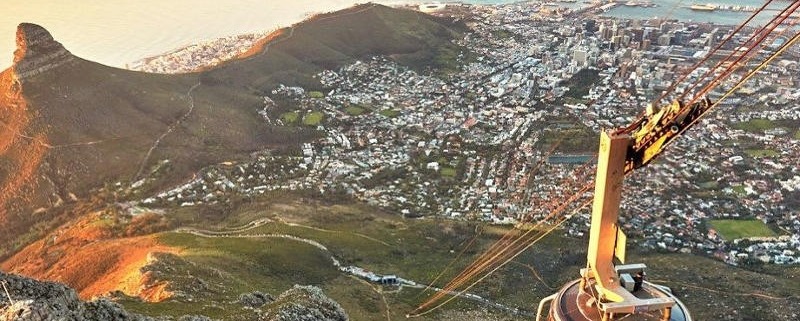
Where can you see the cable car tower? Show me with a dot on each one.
(606, 291)
(609, 288)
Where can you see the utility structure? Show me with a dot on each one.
(608, 291)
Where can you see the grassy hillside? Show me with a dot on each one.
(419, 250)
(206, 272)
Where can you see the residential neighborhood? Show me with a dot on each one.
(514, 128)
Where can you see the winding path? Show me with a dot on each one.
(168, 131)
(534, 273)
(333, 231)
(237, 233)
(191, 100)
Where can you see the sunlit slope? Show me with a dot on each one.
(95, 255)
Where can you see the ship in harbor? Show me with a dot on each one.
(642, 4)
(703, 7)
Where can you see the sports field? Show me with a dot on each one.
(736, 229)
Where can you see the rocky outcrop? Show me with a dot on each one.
(37, 52)
(31, 300)
(255, 299)
(304, 303)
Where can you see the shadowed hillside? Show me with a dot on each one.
(69, 127)
(330, 40)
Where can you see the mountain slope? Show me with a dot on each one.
(26, 299)
(70, 126)
(330, 40)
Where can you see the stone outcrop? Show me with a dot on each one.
(255, 299)
(304, 303)
(37, 52)
(31, 300)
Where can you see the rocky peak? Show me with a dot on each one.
(37, 51)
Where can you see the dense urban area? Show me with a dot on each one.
(475, 142)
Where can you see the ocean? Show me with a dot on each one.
(117, 32)
(677, 9)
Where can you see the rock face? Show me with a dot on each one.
(32, 300)
(37, 52)
(305, 303)
(255, 299)
(45, 301)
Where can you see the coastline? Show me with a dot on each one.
(116, 34)
(130, 46)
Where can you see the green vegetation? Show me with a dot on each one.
(576, 139)
(231, 266)
(103, 222)
(797, 135)
(391, 113)
(446, 60)
(740, 190)
(416, 249)
(290, 117)
(761, 153)
(309, 119)
(253, 260)
(698, 293)
(574, 101)
(756, 125)
(313, 118)
(736, 229)
(386, 244)
(502, 34)
(448, 172)
(355, 110)
(581, 82)
(316, 94)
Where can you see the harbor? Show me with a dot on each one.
(720, 12)
(710, 7)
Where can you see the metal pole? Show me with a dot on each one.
(541, 306)
(8, 294)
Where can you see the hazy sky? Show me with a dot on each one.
(115, 32)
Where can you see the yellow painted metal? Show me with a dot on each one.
(661, 119)
(603, 233)
(619, 250)
(653, 150)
